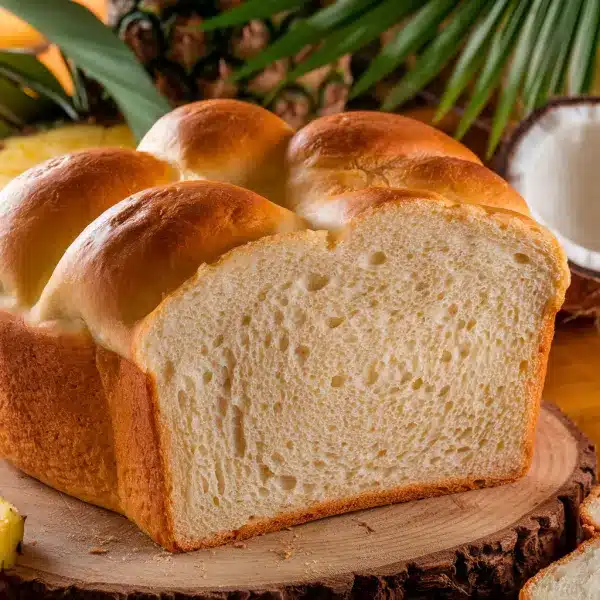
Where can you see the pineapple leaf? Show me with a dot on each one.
(421, 28)
(6, 128)
(80, 95)
(16, 106)
(471, 58)
(500, 48)
(28, 73)
(566, 35)
(100, 53)
(583, 53)
(437, 54)
(305, 32)
(516, 72)
(250, 10)
(357, 34)
(535, 88)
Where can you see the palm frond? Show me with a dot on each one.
(529, 49)
(103, 56)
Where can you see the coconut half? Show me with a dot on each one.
(553, 160)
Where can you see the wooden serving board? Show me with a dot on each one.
(484, 542)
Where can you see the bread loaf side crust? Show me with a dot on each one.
(591, 525)
(141, 468)
(56, 423)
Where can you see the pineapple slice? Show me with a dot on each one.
(19, 153)
(11, 534)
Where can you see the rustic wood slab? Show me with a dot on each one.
(482, 543)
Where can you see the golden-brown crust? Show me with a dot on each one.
(348, 152)
(138, 252)
(224, 140)
(362, 501)
(45, 209)
(56, 423)
(370, 138)
(140, 468)
(591, 525)
(526, 592)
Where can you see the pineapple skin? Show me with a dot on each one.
(21, 152)
(12, 527)
(188, 64)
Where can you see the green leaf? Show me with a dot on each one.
(5, 128)
(516, 72)
(100, 53)
(500, 48)
(18, 107)
(27, 72)
(437, 54)
(80, 95)
(250, 10)
(308, 31)
(583, 53)
(471, 58)
(357, 34)
(566, 37)
(534, 90)
(409, 39)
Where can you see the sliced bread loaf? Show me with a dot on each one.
(230, 370)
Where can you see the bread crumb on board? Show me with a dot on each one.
(98, 550)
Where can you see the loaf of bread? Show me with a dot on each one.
(577, 575)
(237, 328)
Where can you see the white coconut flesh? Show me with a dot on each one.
(555, 166)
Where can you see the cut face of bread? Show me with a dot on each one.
(575, 577)
(309, 373)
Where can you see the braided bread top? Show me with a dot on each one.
(102, 236)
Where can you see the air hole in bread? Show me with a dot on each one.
(218, 341)
(278, 317)
(417, 383)
(222, 406)
(471, 324)
(268, 340)
(523, 366)
(169, 370)
(289, 444)
(287, 482)
(464, 351)
(207, 377)
(406, 377)
(446, 356)
(284, 342)
(333, 322)
(448, 406)
(263, 492)
(239, 436)
(246, 320)
(337, 381)
(302, 353)
(521, 258)
(265, 473)
(441, 296)
(315, 282)
(277, 408)
(319, 464)
(377, 258)
(372, 374)
(220, 477)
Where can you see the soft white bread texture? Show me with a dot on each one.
(232, 371)
(575, 577)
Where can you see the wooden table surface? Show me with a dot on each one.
(573, 379)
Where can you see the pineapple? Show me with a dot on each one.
(19, 153)
(11, 534)
(189, 64)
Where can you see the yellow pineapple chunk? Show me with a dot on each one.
(19, 153)
(11, 534)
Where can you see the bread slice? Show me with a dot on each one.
(311, 373)
(575, 577)
(590, 512)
